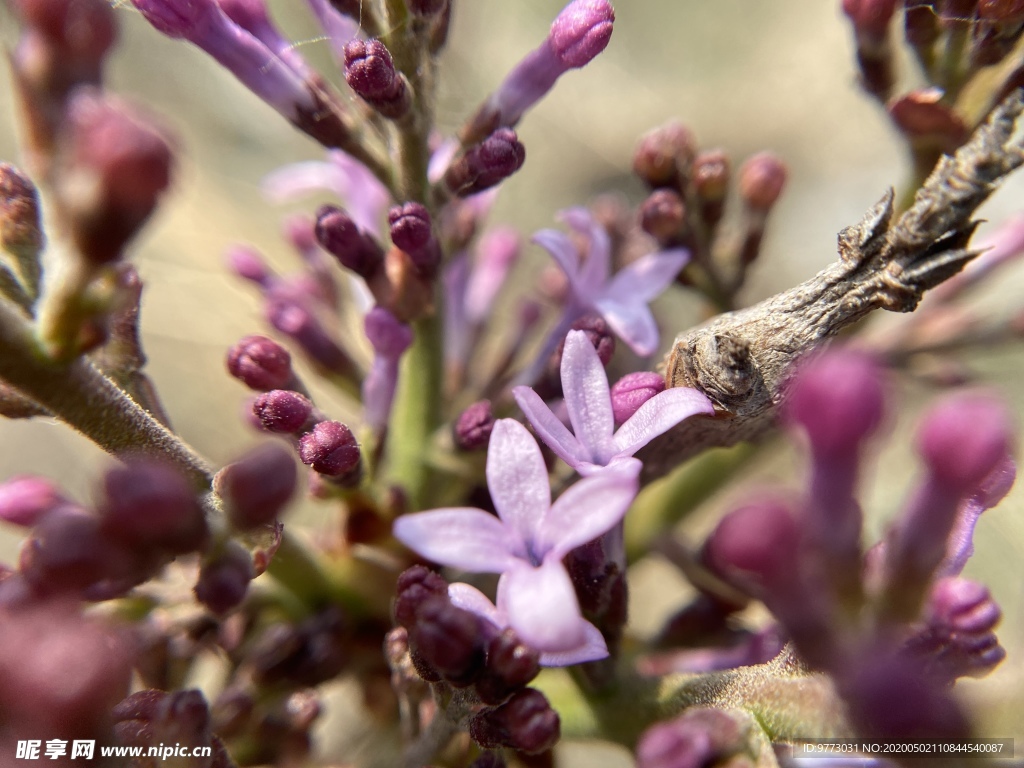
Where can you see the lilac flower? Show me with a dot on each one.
(528, 539)
(621, 299)
(205, 25)
(390, 338)
(578, 34)
(363, 196)
(588, 400)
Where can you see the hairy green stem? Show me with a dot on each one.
(417, 410)
(80, 395)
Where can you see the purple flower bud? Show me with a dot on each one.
(150, 505)
(923, 117)
(664, 156)
(449, 639)
(20, 233)
(632, 391)
(24, 500)
(248, 264)
(224, 579)
(762, 178)
(839, 400)
(390, 338)
(870, 18)
(511, 664)
(370, 72)
(70, 552)
(415, 586)
(283, 411)
(489, 760)
(663, 216)
(711, 174)
(411, 230)
(525, 722)
(331, 449)
(122, 161)
(338, 234)
(295, 319)
(486, 164)
(81, 30)
(258, 486)
(260, 363)
(702, 736)
(598, 333)
(581, 31)
(963, 439)
(472, 429)
(59, 672)
(306, 654)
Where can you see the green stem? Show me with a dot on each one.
(80, 395)
(664, 503)
(417, 410)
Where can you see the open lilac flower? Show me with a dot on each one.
(588, 401)
(528, 539)
(621, 299)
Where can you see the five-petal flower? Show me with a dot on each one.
(592, 444)
(526, 542)
(621, 299)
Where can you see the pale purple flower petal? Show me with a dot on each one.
(338, 28)
(441, 158)
(593, 273)
(296, 179)
(541, 605)
(563, 251)
(647, 277)
(587, 397)
(658, 415)
(495, 255)
(389, 338)
(633, 323)
(550, 428)
(469, 598)
(465, 538)
(517, 477)
(588, 509)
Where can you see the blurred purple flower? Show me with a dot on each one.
(363, 196)
(390, 338)
(592, 444)
(621, 299)
(528, 540)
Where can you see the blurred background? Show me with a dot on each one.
(745, 76)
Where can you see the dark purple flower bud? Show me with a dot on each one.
(839, 401)
(663, 215)
(664, 156)
(581, 31)
(525, 722)
(150, 505)
(700, 737)
(60, 673)
(70, 552)
(449, 640)
(924, 118)
(331, 449)
(963, 439)
(260, 363)
(141, 705)
(489, 760)
(338, 234)
(283, 411)
(510, 665)
(123, 162)
(296, 319)
(305, 654)
(20, 232)
(411, 231)
(632, 391)
(224, 579)
(416, 585)
(486, 164)
(870, 18)
(711, 174)
(258, 486)
(370, 72)
(598, 332)
(83, 30)
(473, 428)
(24, 500)
(762, 178)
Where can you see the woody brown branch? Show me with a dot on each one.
(742, 360)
